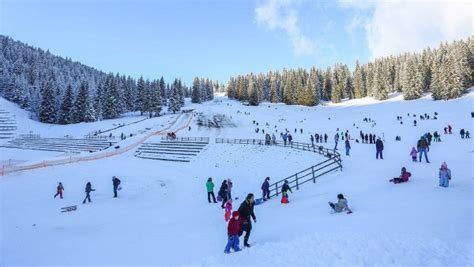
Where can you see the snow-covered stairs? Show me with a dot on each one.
(7, 125)
(62, 144)
(180, 150)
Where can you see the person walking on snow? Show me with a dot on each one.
(233, 230)
(444, 175)
(450, 129)
(325, 138)
(284, 136)
(348, 147)
(341, 205)
(116, 183)
(336, 139)
(228, 209)
(468, 135)
(88, 191)
(462, 133)
(290, 139)
(312, 140)
(59, 191)
(403, 178)
(223, 193)
(229, 188)
(436, 136)
(422, 146)
(379, 148)
(413, 154)
(246, 214)
(266, 189)
(210, 190)
(274, 139)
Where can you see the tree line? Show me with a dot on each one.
(446, 72)
(59, 90)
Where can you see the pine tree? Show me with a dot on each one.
(196, 94)
(253, 94)
(141, 94)
(358, 80)
(47, 109)
(113, 105)
(81, 105)
(339, 82)
(459, 71)
(438, 80)
(66, 106)
(174, 103)
(379, 86)
(412, 82)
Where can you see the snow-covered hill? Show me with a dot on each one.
(162, 216)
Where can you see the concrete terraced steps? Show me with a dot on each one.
(7, 125)
(70, 145)
(180, 150)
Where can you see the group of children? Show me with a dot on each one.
(115, 182)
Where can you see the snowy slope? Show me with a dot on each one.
(162, 216)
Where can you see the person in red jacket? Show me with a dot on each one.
(403, 177)
(233, 230)
(59, 191)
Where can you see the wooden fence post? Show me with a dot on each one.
(276, 188)
(297, 186)
(312, 171)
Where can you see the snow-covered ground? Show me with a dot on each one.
(162, 216)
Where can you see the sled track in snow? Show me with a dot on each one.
(5, 169)
(332, 163)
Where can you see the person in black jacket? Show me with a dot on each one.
(223, 193)
(246, 214)
(116, 183)
(379, 148)
(88, 191)
(285, 188)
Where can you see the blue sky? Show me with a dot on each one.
(217, 39)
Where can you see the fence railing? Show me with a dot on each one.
(332, 163)
(187, 139)
(301, 146)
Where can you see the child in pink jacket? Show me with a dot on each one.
(228, 209)
(413, 154)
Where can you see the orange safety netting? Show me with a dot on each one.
(48, 163)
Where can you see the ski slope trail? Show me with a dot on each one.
(162, 217)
